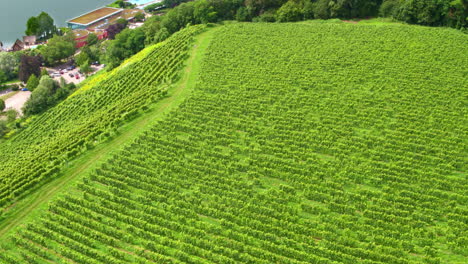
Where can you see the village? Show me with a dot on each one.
(95, 22)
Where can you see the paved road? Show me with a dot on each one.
(17, 101)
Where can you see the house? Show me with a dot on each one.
(29, 40)
(93, 18)
(19, 45)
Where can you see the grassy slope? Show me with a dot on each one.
(29, 208)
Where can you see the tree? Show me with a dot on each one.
(162, 35)
(243, 14)
(2, 105)
(3, 128)
(126, 43)
(204, 12)
(3, 77)
(289, 12)
(321, 9)
(308, 9)
(59, 48)
(92, 39)
(389, 8)
(81, 58)
(44, 72)
(8, 64)
(46, 25)
(29, 65)
(42, 97)
(151, 28)
(114, 29)
(33, 82)
(32, 26)
(85, 68)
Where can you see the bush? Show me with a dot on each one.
(33, 82)
(265, 17)
(289, 12)
(2, 105)
(3, 128)
(14, 87)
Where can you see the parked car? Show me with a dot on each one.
(70, 68)
(77, 76)
(24, 89)
(95, 63)
(65, 71)
(71, 75)
(61, 72)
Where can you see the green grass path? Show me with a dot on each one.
(35, 204)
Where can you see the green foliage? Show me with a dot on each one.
(29, 65)
(81, 58)
(125, 44)
(121, 4)
(2, 105)
(289, 12)
(59, 48)
(389, 8)
(9, 64)
(11, 114)
(41, 26)
(3, 77)
(140, 17)
(3, 127)
(301, 143)
(32, 83)
(42, 96)
(92, 39)
(44, 72)
(268, 16)
(32, 26)
(122, 21)
(85, 118)
(243, 14)
(162, 35)
(85, 67)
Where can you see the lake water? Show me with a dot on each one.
(15, 13)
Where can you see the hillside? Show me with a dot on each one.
(50, 141)
(300, 143)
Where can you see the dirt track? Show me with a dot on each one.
(17, 101)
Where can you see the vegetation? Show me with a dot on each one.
(9, 65)
(126, 43)
(47, 93)
(317, 142)
(121, 4)
(29, 65)
(86, 118)
(59, 48)
(41, 26)
(33, 82)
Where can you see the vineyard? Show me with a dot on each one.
(37, 153)
(301, 143)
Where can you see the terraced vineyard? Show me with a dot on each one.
(92, 114)
(302, 143)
